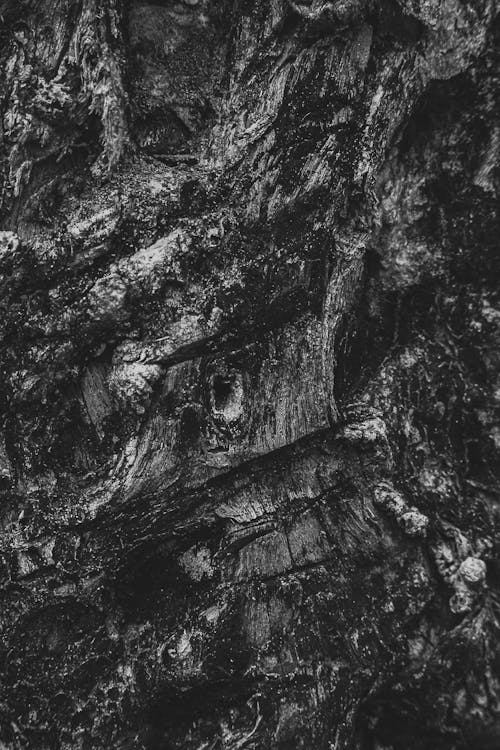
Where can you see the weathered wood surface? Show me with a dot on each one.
(250, 374)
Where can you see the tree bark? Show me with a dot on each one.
(250, 374)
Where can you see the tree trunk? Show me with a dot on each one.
(250, 369)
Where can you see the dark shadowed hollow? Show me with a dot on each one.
(249, 375)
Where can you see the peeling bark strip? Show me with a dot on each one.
(250, 374)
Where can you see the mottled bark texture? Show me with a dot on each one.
(250, 374)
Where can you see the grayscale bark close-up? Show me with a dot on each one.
(250, 374)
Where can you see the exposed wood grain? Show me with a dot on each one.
(249, 374)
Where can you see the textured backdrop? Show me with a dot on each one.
(249, 375)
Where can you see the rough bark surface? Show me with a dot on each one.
(250, 374)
